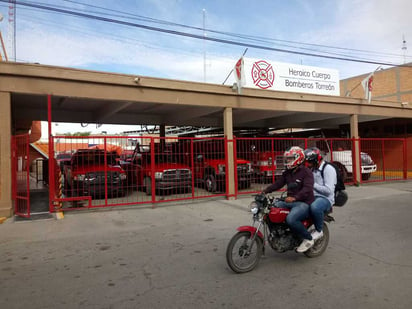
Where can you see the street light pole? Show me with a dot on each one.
(2, 43)
(204, 45)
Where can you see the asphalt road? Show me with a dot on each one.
(173, 256)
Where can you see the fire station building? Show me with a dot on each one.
(32, 92)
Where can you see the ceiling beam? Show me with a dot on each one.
(189, 113)
(246, 117)
(109, 109)
(337, 121)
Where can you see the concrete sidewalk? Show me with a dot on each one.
(173, 256)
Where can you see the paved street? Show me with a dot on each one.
(173, 256)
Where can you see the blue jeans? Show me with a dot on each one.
(317, 211)
(299, 211)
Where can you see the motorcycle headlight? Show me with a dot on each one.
(254, 208)
(123, 176)
(222, 168)
(158, 175)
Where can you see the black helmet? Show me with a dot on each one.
(313, 155)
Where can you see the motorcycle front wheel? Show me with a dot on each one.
(243, 253)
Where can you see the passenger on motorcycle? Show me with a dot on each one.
(324, 188)
(299, 181)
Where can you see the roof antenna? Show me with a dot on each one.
(404, 48)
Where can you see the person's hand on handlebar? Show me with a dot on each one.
(290, 199)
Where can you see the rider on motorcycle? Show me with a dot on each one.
(299, 181)
(324, 188)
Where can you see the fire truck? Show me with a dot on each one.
(162, 165)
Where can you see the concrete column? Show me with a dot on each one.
(228, 128)
(6, 203)
(354, 133)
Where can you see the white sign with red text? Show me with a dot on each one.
(266, 74)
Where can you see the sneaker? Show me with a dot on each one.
(316, 235)
(305, 245)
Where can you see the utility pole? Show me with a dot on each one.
(404, 48)
(204, 45)
(12, 29)
(2, 43)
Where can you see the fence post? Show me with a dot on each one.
(383, 160)
(405, 159)
(273, 159)
(236, 181)
(152, 169)
(105, 169)
(192, 164)
(27, 142)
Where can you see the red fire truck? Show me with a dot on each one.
(162, 165)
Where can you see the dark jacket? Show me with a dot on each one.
(303, 177)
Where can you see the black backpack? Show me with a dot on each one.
(341, 196)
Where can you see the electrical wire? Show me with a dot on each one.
(255, 38)
(244, 37)
(114, 37)
(195, 36)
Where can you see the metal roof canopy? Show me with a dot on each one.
(83, 96)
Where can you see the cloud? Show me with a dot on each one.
(65, 48)
(370, 25)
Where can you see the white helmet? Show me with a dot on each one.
(294, 157)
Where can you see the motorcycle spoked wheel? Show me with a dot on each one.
(320, 245)
(236, 253)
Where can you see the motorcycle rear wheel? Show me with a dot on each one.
(236, 253)
(320, 245)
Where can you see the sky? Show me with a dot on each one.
(371, 30)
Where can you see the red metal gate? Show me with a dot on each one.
(21, 175)
(102, 171)
(105, 171)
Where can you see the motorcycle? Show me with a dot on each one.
(248, 244)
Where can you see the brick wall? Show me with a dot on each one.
(394, 84)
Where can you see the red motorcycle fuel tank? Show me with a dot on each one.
(278, 215)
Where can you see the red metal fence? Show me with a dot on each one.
(111, 171)
(21, 175)
(106, 171)
(390, 157)
(266, 158)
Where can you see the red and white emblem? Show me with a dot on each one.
(262, 74)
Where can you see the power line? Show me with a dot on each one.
(109, 36)
(249, 37)
(195, 36)
(245, 37)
